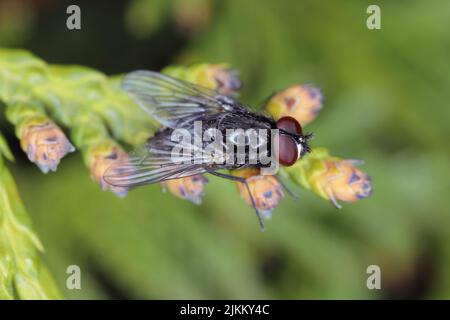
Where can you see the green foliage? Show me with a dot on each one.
(77, 97)
(23, 275)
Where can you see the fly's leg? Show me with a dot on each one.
(244, 181)
(285, 188)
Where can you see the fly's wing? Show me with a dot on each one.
(139, 172)
(173, 102)
(151, 168)
(155, 163)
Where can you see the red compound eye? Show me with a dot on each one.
(288, 152)
(289, 124)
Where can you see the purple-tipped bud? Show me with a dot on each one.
(45, 145)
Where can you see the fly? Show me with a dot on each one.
(185, 109)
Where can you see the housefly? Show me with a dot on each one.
(185, 109)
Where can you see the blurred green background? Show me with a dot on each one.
(386, 101)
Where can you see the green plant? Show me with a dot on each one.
(23, 275)
(76, 97)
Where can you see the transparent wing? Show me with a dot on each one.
(136, 172)
(172, 101)
(148, 167)
(156, 162)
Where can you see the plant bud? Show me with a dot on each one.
(341, 180)
(219, 77)
(302, 102)
(45, 145)
(265, 189)
(188, 188)
(100, 158)
(331, 178)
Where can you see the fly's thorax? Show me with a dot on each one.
(210, 141)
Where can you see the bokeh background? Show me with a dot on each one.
(386, 102)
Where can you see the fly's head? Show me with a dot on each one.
(293, 144)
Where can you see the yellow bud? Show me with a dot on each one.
(218, 77)
(45, 145)
(188, 188)
(301, 102)
(100, 159)
(341, 180)
(265, 189)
